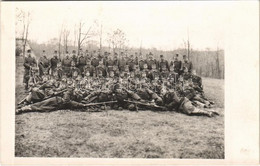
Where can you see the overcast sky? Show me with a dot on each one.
(163, 25)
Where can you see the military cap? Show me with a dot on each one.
(55, 51)
(161, 56)
(43, 50)
(177, 55)
(28, 51)
(67, 52)
(74, 51)
(184, 56)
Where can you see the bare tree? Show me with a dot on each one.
(81, 37)
(100, 38)
(26, 23)
(60, 38)
(66, 34)
(118, 40)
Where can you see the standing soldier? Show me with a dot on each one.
(54, 62)
(186, 63)
(95, 63)
(163, 67)
(74, 57)
(132, 63)
(29, 63)
(66, 63)
(81, 63)
(141, 62)
(74, 71)
(109, 64)
(121, 63)
(44, 64)
(101, 70)
(151, 62)
(177, 64)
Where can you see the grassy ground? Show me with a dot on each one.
(121, 134)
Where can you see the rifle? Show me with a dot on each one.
(100, 103)
(145, 104)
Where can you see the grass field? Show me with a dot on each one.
(121, 134)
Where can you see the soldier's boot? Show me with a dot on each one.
(197, 111)
(23, 109)
(214, 112)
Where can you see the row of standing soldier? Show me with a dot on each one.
(98, 65)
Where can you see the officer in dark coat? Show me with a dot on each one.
(29, 63)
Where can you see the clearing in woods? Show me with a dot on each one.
(120, 134)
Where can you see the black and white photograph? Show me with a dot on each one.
(131, 82)
(119, 80)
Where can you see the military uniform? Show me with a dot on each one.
(121, 64)
(89, 69)
(95, 62)
(44, 65)
(131, 63)
(66, 64)
(54, 103)
(29, 62)
(54, 61)
(74, 58)
(81, 63)
(187, 64)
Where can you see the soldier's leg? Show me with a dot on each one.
(73, 104)
(43, 106)
(26, 80)
(134, 95)
(189, 109)
(36, 95)
(155, 97)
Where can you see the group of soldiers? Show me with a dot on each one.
(99, 81)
